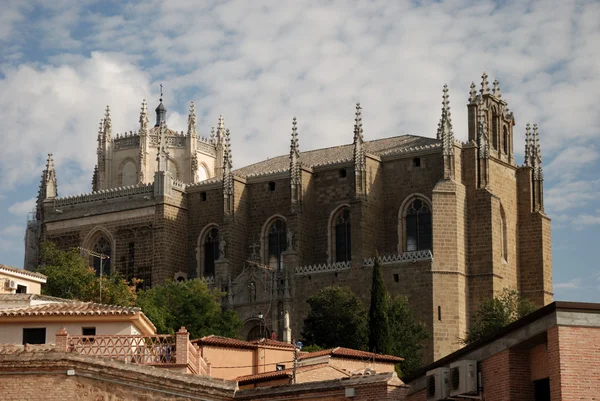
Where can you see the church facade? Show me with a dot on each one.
(453, 223)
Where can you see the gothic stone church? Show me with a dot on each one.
(453, 222)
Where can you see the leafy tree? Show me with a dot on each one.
(379, 329)
(311, 348)
(69, 276)
(336, 318)
(191, 304)
(408, 334)
(495, 313)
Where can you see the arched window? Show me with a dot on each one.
(210, 247)
(418, 226)
(101, 261)
(276, 243)
(505, 139)
(129, 174)
(495, 128)
(342, 230)
(258, 332)
(201, 173)
(503, 235)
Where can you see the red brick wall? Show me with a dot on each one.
(506, 376)
(575, 368)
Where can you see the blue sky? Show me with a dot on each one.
(262, 62)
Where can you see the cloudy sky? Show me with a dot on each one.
(260, 63)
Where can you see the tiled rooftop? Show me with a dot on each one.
(235, 343)
(335, 154)
(69, 309)
(351, 353)
(276, 374)
(10, 269)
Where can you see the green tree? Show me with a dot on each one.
(495, 313)
(69, 276)
(191, 304)
(379, 329)
(336, 318)
(407, 335)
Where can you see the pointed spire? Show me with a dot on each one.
(191, 131)
(95, 181)
(161, 110)
(496, 89)
(536, 154)
(358, 129)
(227, 175)
(445, 127)
(295, 174)
(107, 125)
(50, 189)
(528, 150)
(220, 128)
(144, 119)
(485, 88)
(294, 148)
(360, 163)
(473, 93)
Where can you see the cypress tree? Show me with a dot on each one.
(379, 329)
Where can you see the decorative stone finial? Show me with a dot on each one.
(496, 89)
(50, 162)
(191, 131)
(445, 133)
(358, 129)
(161, 110)
(473, 93)
(294, 149)
(485, 88)
(144, 119)
(528, 154)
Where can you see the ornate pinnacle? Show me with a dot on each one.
(484, 147)
(144, 119)
(192, 120)
(496, 89)
(528, 150)
(50, 163)
(472, 93)
(227, 152)
(358, 130)
(485, 88)
(536, 145)
(445, 126)
(294, 149)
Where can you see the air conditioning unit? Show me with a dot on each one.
(438, 385)
(10, 284)
(463, 378)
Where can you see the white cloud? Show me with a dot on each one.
(57, 109)
(22, 208)
(569, 285)
(12, 230)
(261, 64)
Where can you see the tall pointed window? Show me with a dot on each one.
(342, 226)
(495, 129)
(503, 235)
(505, 139)
(211, 251)
(418, 226)
(101, 261)
(276, 243)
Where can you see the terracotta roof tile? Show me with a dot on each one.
(312, 158)
(351, 353)
(69, 309)
(33, 297)
(223, 342)
(23, 272)
(235, 343)
(276, 374)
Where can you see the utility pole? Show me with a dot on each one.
(297, 346)
(102, 257)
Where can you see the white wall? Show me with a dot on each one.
(12, 333)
